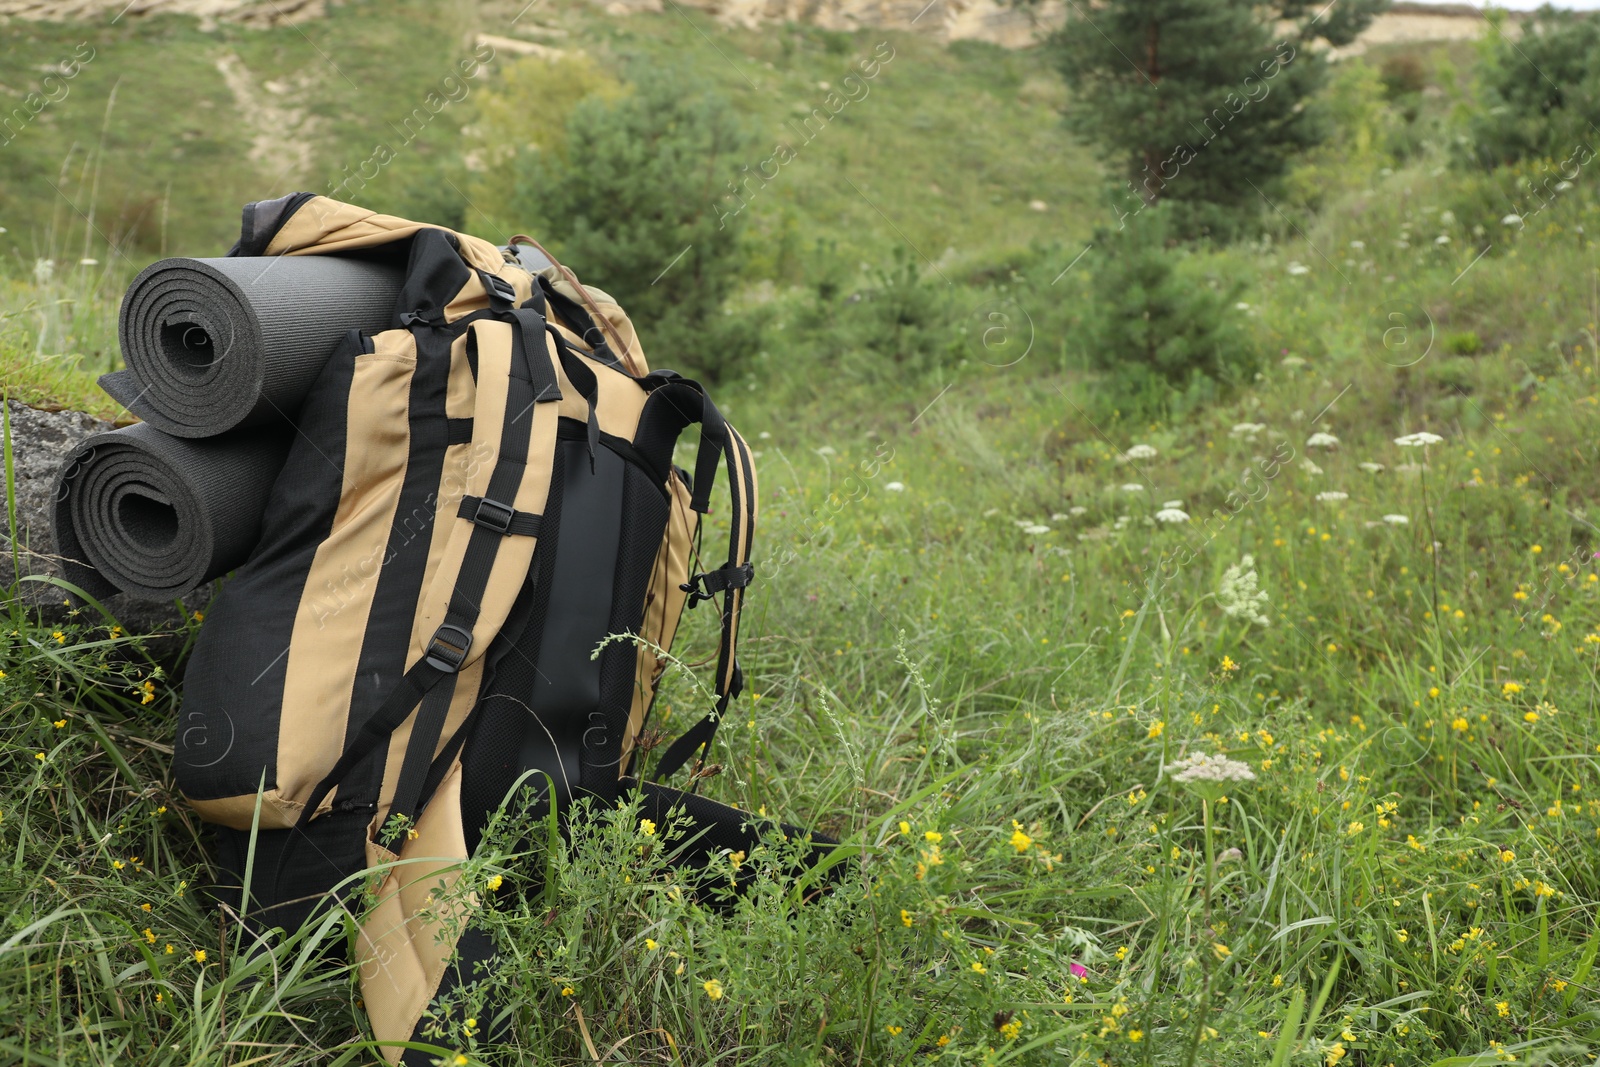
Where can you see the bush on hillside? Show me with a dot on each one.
(1167, 336)
(1539, 96)
(632, 199)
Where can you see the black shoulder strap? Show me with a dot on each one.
(731, 579)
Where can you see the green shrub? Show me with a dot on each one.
(635, 196)
(1166, 334)
(1539, 95)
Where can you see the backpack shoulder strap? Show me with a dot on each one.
(717, 439)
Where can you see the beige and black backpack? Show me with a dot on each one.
(474, 501)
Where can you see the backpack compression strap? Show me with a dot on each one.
(733, 577)
(530, 381)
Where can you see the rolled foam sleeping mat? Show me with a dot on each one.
(154, 516)
(216, 344)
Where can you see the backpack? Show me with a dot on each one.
(474, 500)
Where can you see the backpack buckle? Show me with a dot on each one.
(494, 515)
(696, 594)
(449, 647)
(500, 287)
(708, 584)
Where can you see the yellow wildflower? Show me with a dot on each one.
(713, 988)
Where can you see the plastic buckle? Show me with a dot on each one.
(448, 653)
(494, 515)
(696, 594)
(502, 288)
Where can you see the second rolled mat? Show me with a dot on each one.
(214, 344)
(141, 512)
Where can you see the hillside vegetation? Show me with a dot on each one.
(994, 605)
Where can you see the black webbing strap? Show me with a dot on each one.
(587, 384)
(578, 319)
(529, 358)
(424, 739)
(452, 642)
(457, 431)
(501, 518)
(395, 709)
(732, 579)
(477, 563)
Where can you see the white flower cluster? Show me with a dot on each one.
(1322, 440)
(1421, 439)
(1140, 452)
(1238, 596)
(1203, 768)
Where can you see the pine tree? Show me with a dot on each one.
(629, 199)
(1202, 101)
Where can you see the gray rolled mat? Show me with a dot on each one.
(154, 516)
(214, 344)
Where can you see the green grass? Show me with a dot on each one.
(1410, 877)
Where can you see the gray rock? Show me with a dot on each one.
(40, 441)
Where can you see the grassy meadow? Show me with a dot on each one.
(993, 610)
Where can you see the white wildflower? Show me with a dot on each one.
(1322, 440)
(1172, 503)
(1036, 530)
(1371, 468)
(826, 450)
(1172, 515)
(1132, 487)
(1246, 429)
(87, 262)
(43, 271)
(1447, 217)
(1140, 452)
(1297, 268)
(1358, 244)
(1293, 361)
(1418, 440)
(1442, 239)
(1309, 466)
(896, 487)
(1331, 496)
(1512, 219)
(1059, 516)
(1203, 768)
(1238, 595)
(1080, 510)
(1563, 186)
(764, 435)
(1241, 306)
(1396, 520)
